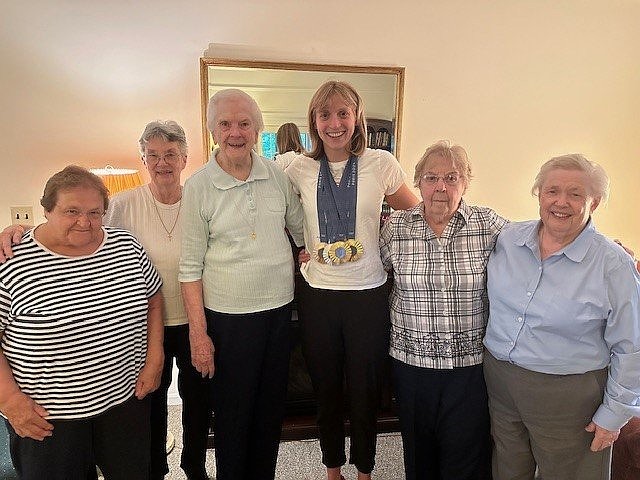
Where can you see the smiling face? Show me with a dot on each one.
(234, 130)
(336, 123)
(164, 162)
(566, 202)
(75, 222)
(441, 200)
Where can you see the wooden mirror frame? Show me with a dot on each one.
(207, 63)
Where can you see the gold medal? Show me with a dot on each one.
(318, 252)
(325, 255)
(338, 253)
(356, 250)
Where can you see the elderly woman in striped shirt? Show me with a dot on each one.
(438, 252)
(81, 340)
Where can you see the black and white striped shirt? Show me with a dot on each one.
(74, 329)
(439, 306)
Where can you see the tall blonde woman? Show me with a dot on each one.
(343, 307)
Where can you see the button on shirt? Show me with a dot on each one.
(438, 302)
(576, 311)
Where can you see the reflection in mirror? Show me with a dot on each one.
(283, 91)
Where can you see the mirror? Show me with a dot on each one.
(283, 91)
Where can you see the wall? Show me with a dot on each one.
(515, 81)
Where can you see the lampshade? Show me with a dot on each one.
(118, 179)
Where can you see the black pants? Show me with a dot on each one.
(248, 390)
(444, 420)
(117, 441)
(345, 335)
(194, 391)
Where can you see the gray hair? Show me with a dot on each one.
(444, 149)
(598, 178)
(168, 130)
(233, 93)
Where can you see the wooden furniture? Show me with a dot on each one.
(625, 464)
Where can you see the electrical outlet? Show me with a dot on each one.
(22, 215)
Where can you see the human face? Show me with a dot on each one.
(235, 130)
(75, 222)
(440, 199)
(336, 123)
(164, 162)
(566, 202)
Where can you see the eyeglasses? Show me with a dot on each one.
(449, 178)
(73, 214)
(155, 158)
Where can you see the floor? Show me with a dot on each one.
(298, 460)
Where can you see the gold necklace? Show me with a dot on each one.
(175, 222)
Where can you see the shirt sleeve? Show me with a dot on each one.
(390, 172)
(151, 276)
(385, 244)
(195, 233)
(294, 216)
(5, 307)
(622, 333)
(113, 217)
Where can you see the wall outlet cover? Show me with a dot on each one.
(22, 215)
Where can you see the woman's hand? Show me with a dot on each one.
(150, 376)
(202, 353)
(602, 437)
(303, 256)
(10, 236)
(27, 417)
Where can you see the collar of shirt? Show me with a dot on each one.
(575, 251)
(459, 219)
(224, 181)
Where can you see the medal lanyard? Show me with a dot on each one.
(337, 201)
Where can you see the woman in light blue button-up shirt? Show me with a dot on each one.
(563, 369)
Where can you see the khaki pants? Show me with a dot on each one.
(539, 419)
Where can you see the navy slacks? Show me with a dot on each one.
(444, 420)
(248, 390)
(345, 339)
(116, 440)
(196, 410)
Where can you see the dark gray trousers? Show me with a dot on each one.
(538, 419)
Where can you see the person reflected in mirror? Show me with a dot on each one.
(343, 306)
(563, 338)
(80, 340)
(236, 272)
(438, 252)
(289, 144)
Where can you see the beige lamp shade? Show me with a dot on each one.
(118, 179)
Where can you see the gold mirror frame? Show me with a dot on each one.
(209, 65)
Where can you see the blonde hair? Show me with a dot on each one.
(351, 98)
(288, 138)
